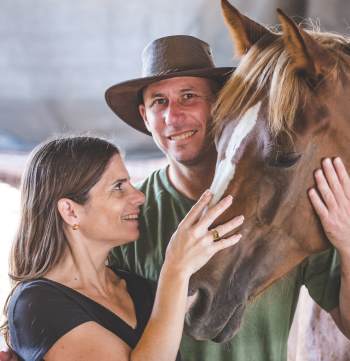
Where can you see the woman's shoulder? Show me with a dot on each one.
(41, 300)
(39, 313)
(34, 293)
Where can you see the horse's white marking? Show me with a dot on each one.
(225, 169)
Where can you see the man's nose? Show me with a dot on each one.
(174, 113)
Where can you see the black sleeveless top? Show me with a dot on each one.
(41, 311)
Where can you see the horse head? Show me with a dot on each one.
(282, 111)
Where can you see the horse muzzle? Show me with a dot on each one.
(214, 318)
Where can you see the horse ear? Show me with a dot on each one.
(244, 31)
(307, 55)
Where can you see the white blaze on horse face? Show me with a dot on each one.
(225, 168)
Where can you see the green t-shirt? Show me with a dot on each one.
(264, 331)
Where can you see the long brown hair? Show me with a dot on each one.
(65, 167)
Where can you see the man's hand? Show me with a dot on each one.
(7, 356)
(332, 202)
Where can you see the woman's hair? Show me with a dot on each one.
(65, 167)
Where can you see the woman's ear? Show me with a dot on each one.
(68, 210)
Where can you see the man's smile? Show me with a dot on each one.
(184, 135)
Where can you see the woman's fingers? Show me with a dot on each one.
(226, 242)
(227, 227)
(193, 244)
(214, 212)
(196, 211)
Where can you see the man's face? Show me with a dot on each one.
(176, 111)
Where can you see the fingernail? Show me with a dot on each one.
(207, 193)
(241, 218)
(229, 198)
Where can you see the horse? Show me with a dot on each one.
(282, 111)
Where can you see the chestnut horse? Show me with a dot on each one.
(282, 111)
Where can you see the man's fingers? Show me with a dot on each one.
(197, 210)
(332, 179)
(343, 176)
(325, 190)
(318, 204)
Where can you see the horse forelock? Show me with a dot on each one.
(267, 73)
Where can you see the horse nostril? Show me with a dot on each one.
(191, 300)
(192, 289)
(200, 303)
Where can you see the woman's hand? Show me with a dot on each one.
(192, 245)
(332, 203)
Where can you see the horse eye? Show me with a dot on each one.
(284, 160)
(313, 82)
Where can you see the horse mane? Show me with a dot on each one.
(268, 71)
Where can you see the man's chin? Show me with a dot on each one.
(194, 158)
(188, 162)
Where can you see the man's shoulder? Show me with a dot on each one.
(160, 193)
(155, 178)
(154, 188)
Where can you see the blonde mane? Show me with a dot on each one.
(270, 73)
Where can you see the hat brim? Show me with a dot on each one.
(124, 98)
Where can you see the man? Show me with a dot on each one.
(172, 102)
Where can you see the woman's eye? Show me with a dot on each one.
(284, 160)
(118, 186)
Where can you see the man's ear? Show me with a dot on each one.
(142, 111)
(68, 211)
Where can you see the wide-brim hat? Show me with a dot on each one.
(167, 57)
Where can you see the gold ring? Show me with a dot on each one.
(215, 234)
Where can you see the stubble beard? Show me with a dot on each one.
(207, 152)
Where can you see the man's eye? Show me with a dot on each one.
(188, 96)
(158, 101)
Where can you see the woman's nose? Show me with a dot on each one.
(139, 197)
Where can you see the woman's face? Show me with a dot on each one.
(112, 210)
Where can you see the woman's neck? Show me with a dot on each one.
(83, 266)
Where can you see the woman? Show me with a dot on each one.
(77, 204)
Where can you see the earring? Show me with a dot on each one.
(75, 227)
